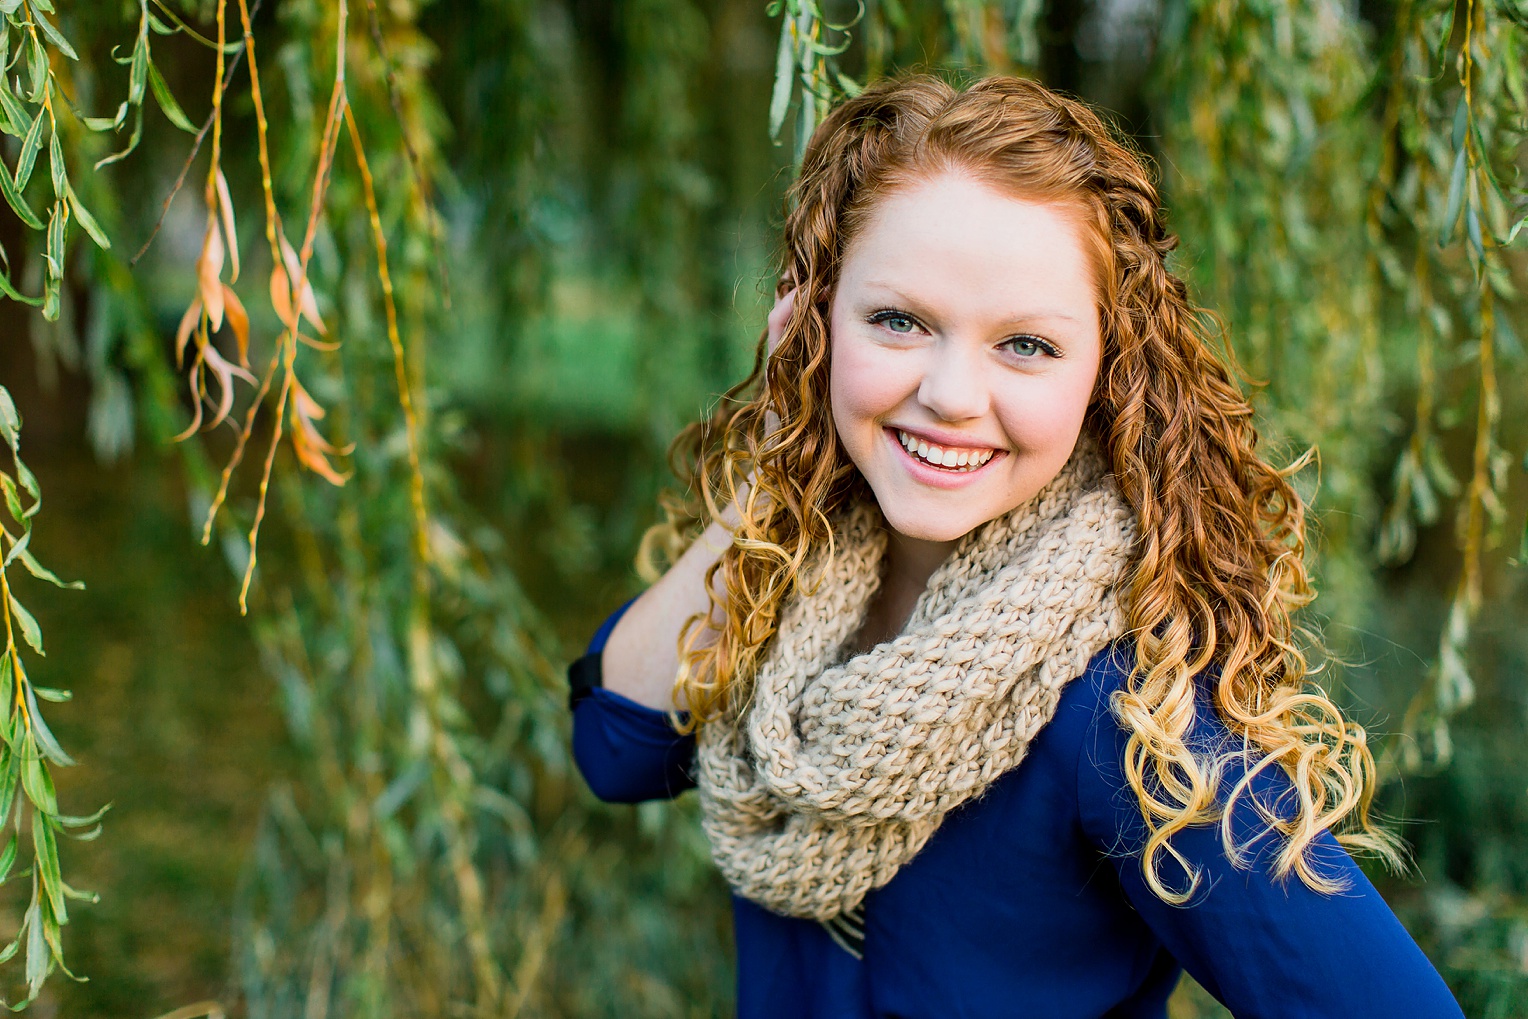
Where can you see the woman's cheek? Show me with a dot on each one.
(1045, 416)
(864, 386)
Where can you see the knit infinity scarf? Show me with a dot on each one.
(838, 772)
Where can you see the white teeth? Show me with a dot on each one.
(960, 460)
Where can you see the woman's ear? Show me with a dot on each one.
(778, 316)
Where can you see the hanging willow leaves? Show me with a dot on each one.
(29, 748)
(1338, 204)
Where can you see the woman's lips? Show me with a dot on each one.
(941, 476)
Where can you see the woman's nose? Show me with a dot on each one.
(954, 385)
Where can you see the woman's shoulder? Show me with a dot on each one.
(1087, 700)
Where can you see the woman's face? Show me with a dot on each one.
(965, 343)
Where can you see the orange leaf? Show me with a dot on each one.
(224, 372)
(281, 296)
(310, 448)
(305, 302)
(318, 344)
(225, 205)
(188, 322)
(238, 321)
(196, 402)
(209, 267)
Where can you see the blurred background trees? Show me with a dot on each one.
(490, 255)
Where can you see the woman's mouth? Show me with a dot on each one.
(954, 459)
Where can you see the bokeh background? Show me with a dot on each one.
(356, 799)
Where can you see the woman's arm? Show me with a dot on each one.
(1263, 947)
(642, 657)
(626, 752)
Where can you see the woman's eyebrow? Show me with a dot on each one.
(915, 304)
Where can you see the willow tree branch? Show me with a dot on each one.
(196, 147)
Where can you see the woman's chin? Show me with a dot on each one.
(931, 525)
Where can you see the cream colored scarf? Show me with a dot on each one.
(838, 772)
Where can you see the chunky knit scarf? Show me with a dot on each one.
(838, 771)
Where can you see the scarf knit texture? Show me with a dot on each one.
(837, 771)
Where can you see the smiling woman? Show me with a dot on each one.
(965, 352)
(983, 664)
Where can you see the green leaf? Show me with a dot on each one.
(167, 102)
(86, 219)
(5, 282)
(1455, 198)
(10, 419)
(41, 572)
(132, 142)
(107, 123)
(9, 7)
(13, 499)
(10, 776)
(17, 203)
(47, 865)
(19, 548)
(785, 78)
(139, 74)
(19, 120)
(39, 959)
(52, 932)
(51, 298)
(1472, 231)
(53, 694)
(9, 951)
(55, 36)
(57, 169)
(6, 700)
(35, 780)
(30, 631)
(58, 227)
(7, 858)
(43, 5)
(37, 70)
(29, 486)
(82, 822)
(28, 158)
(45, 740)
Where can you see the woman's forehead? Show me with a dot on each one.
(953, 238)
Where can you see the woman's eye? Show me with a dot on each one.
(894, 321)
(1029, 346)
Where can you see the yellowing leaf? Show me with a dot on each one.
(230, 232)
(188, 322)
(281, 291)
(209, 269)
(238, 321)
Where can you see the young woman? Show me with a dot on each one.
(986, 672)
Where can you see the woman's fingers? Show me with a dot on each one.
(778, 317)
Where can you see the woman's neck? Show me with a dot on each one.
(905, 570)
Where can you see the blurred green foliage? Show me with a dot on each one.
(579, 200)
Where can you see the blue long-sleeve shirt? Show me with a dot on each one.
(1030, 902)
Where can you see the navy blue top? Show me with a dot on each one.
(1029, 901)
